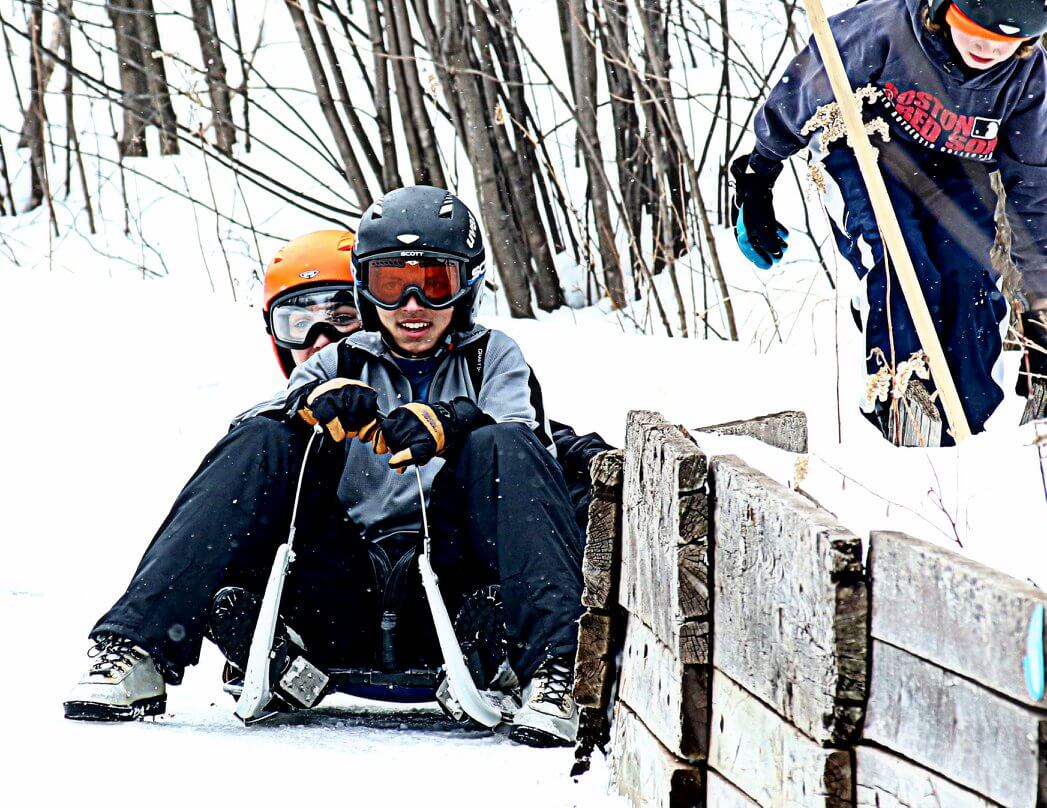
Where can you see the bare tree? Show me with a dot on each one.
(214, 67)
(353, 171)
(156, 75)
(582, 58)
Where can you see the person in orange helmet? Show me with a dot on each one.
(308, 295)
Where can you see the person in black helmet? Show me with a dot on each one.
(422, 385)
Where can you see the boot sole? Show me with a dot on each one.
(540, 739)
(94, 711)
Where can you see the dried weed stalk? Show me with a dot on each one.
(893, 382)
(829, 119)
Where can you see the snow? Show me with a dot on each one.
(110, 405)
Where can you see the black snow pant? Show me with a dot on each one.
(499, 513)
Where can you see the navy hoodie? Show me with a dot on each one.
(997, 117)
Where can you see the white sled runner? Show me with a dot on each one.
(257, 694)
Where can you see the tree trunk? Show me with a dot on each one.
(475, 132)
(629, 147)
(65, 11)
(519, 184)
(671, 123)
(8, 196)
(353, 172)
(416, 96)
(419, 165)
(155, 74)
(37, 160)
(583, 58)
(214, 66)
(383, 110)
(242, 89)
(31, 121)
(133, 86)
(343, 91)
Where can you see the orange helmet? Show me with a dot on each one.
(316, 262)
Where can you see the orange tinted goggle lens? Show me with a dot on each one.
(957, 19)
(438, 281)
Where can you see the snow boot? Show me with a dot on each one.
(123, 684)
(480, 628)
(549, 716)
(297, 683)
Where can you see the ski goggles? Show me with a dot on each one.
(436, 280)
(298, 320)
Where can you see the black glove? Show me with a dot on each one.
(347, 408)
(1034, 363)
(416, 433)
(759, 235)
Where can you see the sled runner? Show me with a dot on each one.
(306, 683)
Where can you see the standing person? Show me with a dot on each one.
(499, 506)
(961, 84)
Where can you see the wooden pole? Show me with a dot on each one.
(888, 221)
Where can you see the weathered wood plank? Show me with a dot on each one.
(791, 607)
(645, 772)
(883, 780)
(721, 794)
(950, 725)
(768, 758)
(605, 471)
(667, 587)
(593, 663)
(601, 560)
(971, 619)
(783, 430)
(670, 697)
(664, 575)
(675, 451)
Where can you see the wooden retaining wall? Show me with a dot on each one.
(760, 663)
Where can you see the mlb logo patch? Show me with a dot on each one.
(985, 128)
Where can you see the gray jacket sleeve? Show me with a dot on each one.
(509, 391)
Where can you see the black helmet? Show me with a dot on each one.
(413, 224)
(1010, 18)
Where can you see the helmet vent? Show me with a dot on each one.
(447, 208)
(376, 209)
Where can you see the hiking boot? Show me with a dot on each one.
(549, 716)
(122, 684)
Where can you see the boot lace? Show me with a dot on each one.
(553, 681)
(113, 655)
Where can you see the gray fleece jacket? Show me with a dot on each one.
(376, 498)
